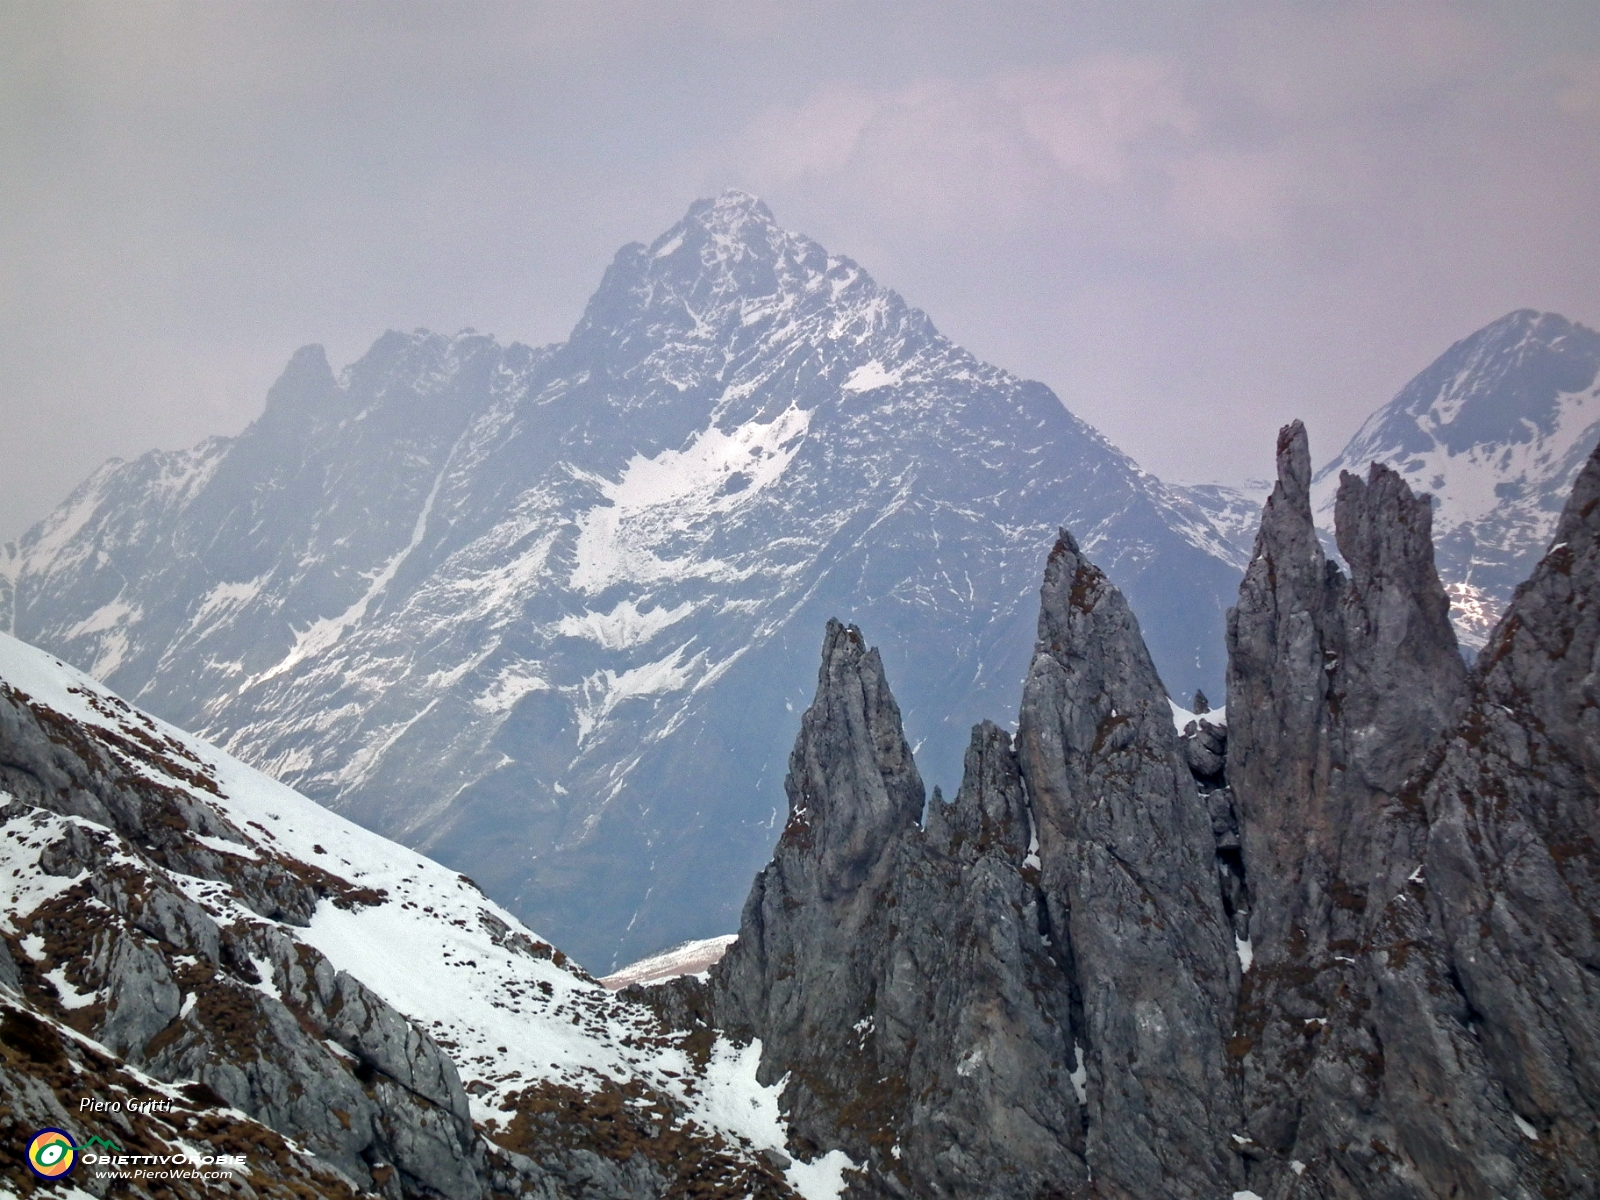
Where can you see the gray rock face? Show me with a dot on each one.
(903, 979)
(1031, 995)
(1337, 690)
(1511, 878)
(1417, 942)
(1406, 854)
(1130, 880)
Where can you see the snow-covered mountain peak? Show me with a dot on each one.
(1495, 430)
(546, 612)
(1505, 385)
(726, 285)
(734, 225)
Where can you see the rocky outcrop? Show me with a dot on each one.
(141, 911)
(1342, 943)
(1029, 994)
(1510, 879)
(1337, 689)
(904, 979)
(46, 1070)
(1418, 846)
(1128, 865)
(125, 954)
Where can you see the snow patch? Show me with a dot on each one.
(1181, 717)
(625, 626)
(226, 597)
(23, 885)
(510, 685)
(224, 846)
(823, 1179)
(869, 376)
(606, 689)
(106, 617)
(686, 958)
(69, 995)
(1246, 952)
(668, 499)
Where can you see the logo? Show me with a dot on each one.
(51, 1154)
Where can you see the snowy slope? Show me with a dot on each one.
(1495, 430)
(550, 615)
(687, 958)
(510, 1011)
(1234, 512)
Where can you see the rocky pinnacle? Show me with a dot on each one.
(1130, 879)
(1346, 945)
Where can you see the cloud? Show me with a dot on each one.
(1578, 86)
(1024, 145)
(820, 136)
(1245, 208)
(1092, 116)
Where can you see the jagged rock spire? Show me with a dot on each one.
(1130, 880)
(1338, 689)
(1408, 856)
(903, 982)
(852, 784)
(1512, 870)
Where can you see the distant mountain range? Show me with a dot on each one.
(1495, 431)
(550, 614)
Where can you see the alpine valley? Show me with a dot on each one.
(1340, 942)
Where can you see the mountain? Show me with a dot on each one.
(1495, 430)
(228, 969)
(544, 613)
(1343, 944)
(1234, 512)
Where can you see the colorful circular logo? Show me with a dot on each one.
(51, 1154)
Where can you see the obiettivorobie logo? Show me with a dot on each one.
(52, 1154)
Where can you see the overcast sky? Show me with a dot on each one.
(1194, 221)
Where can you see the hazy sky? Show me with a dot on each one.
(1192, 220)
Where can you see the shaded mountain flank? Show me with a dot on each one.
(1345, 944)
(226, 969)
(522, 609)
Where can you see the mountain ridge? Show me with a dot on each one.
(280, 981)
(461, 588)
(1495, 430)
